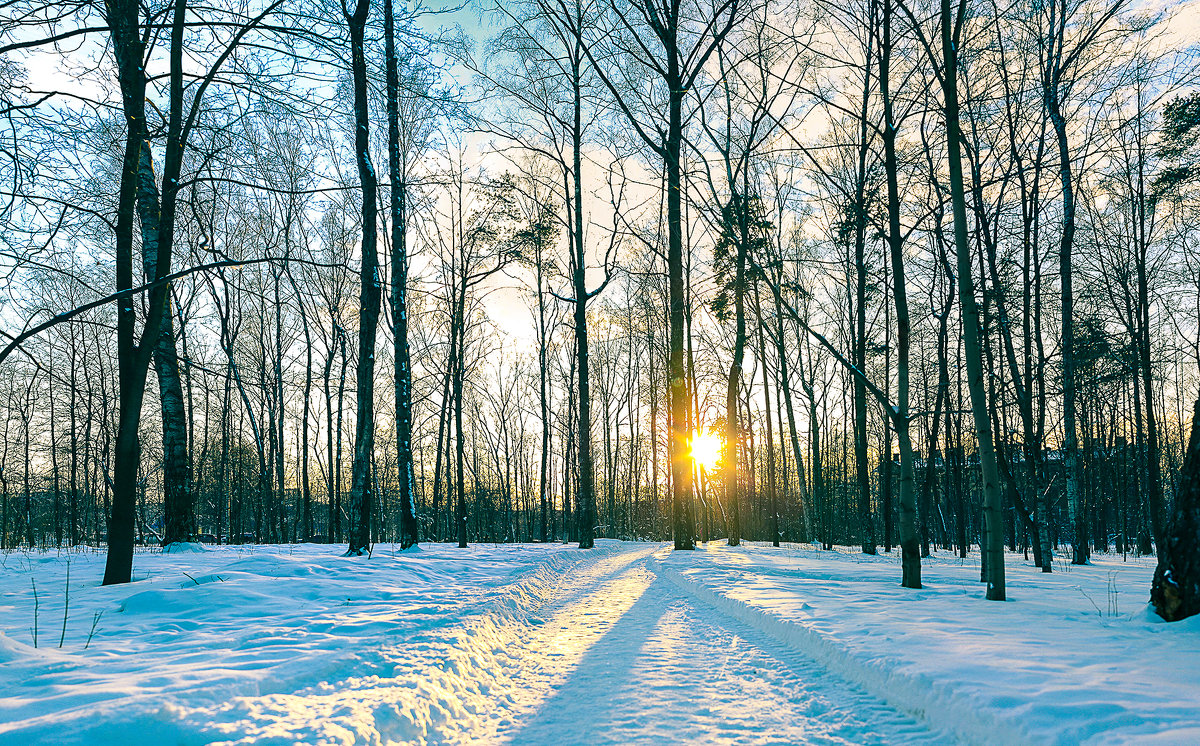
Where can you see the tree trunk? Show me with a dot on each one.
(459, 330)
(402, 375)
(909, 543)
(361, 479)
(1175, 592)
(734, 380)
(1070, 446)
(587, 487)
(859, 332)
(772, 488)
(993, 518)
(681, 466)
(786, 386)
(134, 357)
(1145, 363)
(177, 504)
(306, 514)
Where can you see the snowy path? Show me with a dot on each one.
(627, 658)
(612, 653)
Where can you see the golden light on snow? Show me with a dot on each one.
(706, 450)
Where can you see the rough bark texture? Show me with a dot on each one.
(127, 49)
(361, 489)
(133, 357)
(180, 522)
(402, 377)
(1175, 592)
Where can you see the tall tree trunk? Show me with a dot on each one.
(992, 498)
(402, 375)
(681, 466)
(279, 525)
(122, 17)
(441, 483)
(306, 514)
(134, 357)
(337, 509)
(909, 542)
(178, 512)
(859, 332)
(330, 435)
(941, 401)
(1145, 363)
(734, 380)
(772, 488)
(73, 479)
(544, 404)
(587, 487)
(1070, 446)
(793, 431)
(361, 479)
(459, 330)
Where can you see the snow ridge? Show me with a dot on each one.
(445, 684)
(933, 702)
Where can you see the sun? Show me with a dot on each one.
(706, 450)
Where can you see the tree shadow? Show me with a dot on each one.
(583, 704)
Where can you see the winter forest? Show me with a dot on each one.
(857, 300)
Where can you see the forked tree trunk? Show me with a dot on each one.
(133, 356)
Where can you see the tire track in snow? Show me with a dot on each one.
(934, 703)
(660, 669)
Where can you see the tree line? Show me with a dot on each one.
(298, 270)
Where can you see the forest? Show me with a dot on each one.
(903, 275)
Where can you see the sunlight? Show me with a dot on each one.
(706, 450)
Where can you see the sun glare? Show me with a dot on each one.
(706, 450)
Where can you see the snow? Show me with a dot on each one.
(544, 643)
(1056, 663)
(198, 630)
(180, 547)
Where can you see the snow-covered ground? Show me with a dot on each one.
(1073, 656)
(630, 643)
